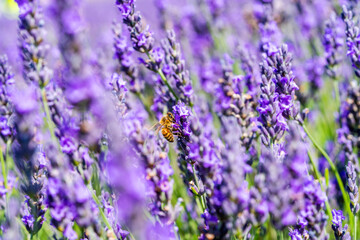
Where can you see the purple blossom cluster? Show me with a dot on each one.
(164, 119)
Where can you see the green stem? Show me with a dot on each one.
(23, 228)
(3, 168)
(355, 227)
(202, 200)
(7, 155)
(102, 214)
(333, 168)
(318, 177)
(163, 78)
(147, 108)
(50, 123)
(337, 93)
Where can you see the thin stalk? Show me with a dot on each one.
(333, 168)
(23, 228)
(355, 227)
(7, 154)
(48, 116)
(318, 177)
(202, 200)
(147, 108)
(102, 214)
(163, 78)
(3, 168)
(337, 93)
(97, 201)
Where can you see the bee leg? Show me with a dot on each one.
(158, 130)
(153, 126)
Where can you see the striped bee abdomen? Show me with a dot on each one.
(166, 132)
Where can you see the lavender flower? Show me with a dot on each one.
(270, 35)
(352, 34)
(119, 90)
(103, 174)
(251, 69)
(227, 212)
(153, 156)
(68, 198)
(340, 232)
(352, 187)
(283, 199)
(71, 41)
(6, 80)
(348, 136)
(231, 100)
(277, 100)
(130, 200)
(33, 50)
(140, 36)
(273, 124)
(315, 68)
(11, 184)
(111, 214)
(311, 222)
(333, 42)
(142, 40)
(159, 174)
(179, 74)
(25, 157)
(11, 228)
(204, 149)
(123, 54)
(182, 114)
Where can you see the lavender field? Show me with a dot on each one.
(179, 119)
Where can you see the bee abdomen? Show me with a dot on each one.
(166, 132)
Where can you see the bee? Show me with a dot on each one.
(166, 125)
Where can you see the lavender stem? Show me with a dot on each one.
(49, 121)
(355, 226)
(333, 168)
(96, 199)
(337, 93)
(202, 200)
(3, 168)
(318, 177)
(147, 108)
(163, 78)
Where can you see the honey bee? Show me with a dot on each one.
(166, 126)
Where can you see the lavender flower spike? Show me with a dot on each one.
(352, 41)
(333, 42)
(352, 187)
(176, 63)
(141, 37)
(33, 50)
(6, 110)
(348, 137)
(340, 232)
(143, 41)
(123, 53)
(277, 100)
(25, 157)
(273, 124)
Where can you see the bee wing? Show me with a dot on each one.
(158, 125)
(153, 126)
(157, 130)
